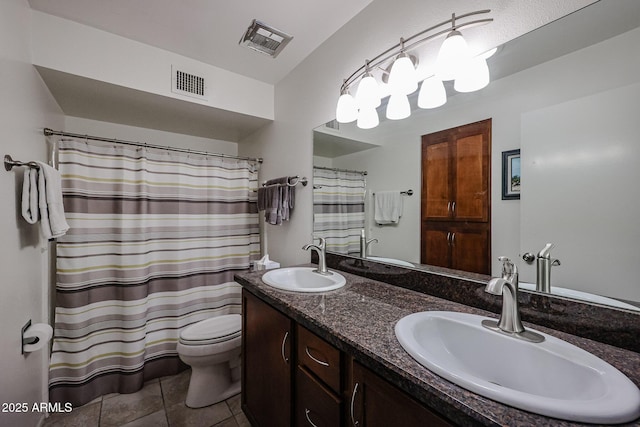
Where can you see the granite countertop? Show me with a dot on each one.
(359, 319)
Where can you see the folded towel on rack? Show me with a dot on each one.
(30, 195)
(52, 219)
(387, 207)
(276, 197)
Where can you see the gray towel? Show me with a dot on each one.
(277, 199)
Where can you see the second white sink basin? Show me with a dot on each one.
(303, 279)
(552, 378)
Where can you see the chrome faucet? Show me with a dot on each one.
(321, 250)
(364, 244)
(544, 262)
(509, 322)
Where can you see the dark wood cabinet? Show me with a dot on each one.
(456, 199)
(315, 404)
(458, 247)
(267, 376)
(376, 403)
(292, 377)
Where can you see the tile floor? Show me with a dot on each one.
(159, 404)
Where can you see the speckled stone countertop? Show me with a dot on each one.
(359, 319)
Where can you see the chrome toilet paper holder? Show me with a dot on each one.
(27, 340)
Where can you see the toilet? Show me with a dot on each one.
(212, 348)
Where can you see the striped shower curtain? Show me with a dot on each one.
(155, 239)
(338, 208)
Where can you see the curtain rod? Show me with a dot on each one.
(339, 170)
(50, 132)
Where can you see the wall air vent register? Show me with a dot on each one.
(184, 82)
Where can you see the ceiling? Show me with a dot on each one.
(209, 30)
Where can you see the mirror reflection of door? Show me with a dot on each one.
(456, 200)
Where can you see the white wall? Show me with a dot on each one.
(396, 165)
(77, 49)
(580, 159)
(150, 136)
(306, 97)
(25, 108)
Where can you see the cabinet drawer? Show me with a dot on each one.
(319, 357)
(316, 405)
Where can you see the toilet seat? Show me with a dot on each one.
(216, 330)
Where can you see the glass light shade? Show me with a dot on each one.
(452, 57)
(368, 94)
(368, 118)
(347, 109)
(403, 78)
(432, 93)
(398, 107)
(473, 77)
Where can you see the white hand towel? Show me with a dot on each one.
(30, 195)
(387, 207)
(53, 222)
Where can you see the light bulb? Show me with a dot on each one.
(398, 107)
(432, 93)
(368, 94)
(347, 109)
(452, 57)
(368, 118)
(403, 78)
(473, 77)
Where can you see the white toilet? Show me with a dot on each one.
(212, 348)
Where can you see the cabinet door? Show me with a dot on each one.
(266, 363)
(376, 403)
(470, 250)
(471, 183)
(436, 186)
(436, 249)
(456, 170)
(316, 405)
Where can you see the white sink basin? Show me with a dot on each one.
(303, 279)
(552, 378)
(391, 261)
(584, 296)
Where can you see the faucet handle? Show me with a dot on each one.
(508, 267)
(323, 242)
(546, 251)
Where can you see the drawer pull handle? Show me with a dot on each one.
(284, 342)
(306, 414)
(306, 350)
(353, 401)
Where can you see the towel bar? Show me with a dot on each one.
(9, 163)
(304, 181)
(406, 193)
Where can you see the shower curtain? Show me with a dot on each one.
(338, 208)
(155, 239)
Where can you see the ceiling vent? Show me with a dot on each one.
(333, 124)
(184, 82)
(265, 39)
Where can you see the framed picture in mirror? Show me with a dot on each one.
(511, 175)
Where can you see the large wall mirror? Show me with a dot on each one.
(567, 95)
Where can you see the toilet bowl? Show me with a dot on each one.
(212, 348)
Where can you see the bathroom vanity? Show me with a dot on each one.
(331, 359)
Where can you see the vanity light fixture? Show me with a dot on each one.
(397, 70)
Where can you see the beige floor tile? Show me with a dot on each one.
(242, 420)
(87, 415)
(123, 408)
(229, 422)
(174, 388)
(157, 419)
(181, 416)
(234, 404)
